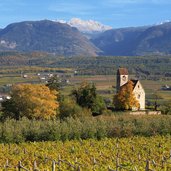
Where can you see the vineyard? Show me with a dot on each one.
(135, 153)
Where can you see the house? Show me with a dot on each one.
(138, 90)
(25, 76)
(4, 97)
(165, 87)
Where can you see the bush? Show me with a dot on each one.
(68, 108)
(166, 108)
(12, 131)
(98, 105)
(86, 96)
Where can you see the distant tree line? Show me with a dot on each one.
(147, 67)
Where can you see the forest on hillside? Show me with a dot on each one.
(146, 67)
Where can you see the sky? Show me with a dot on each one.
(115, 13)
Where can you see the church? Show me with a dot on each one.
(138, 90)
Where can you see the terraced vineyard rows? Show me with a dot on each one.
(136, 153)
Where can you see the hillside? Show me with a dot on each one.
(62, 39)
(136, 40)
(155, 39)
(46, 36)
(118, 41)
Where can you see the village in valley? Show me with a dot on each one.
(106, 86)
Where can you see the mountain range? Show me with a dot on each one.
(87, 26)
(47, 36)
(136, 40)
(65, 39)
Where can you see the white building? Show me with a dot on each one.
(138, 90)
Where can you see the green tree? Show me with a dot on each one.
(86, 96)
(31, 101)
(69, 108)
(125, 99)
(55, 84)
(98, 105)
(166, 108)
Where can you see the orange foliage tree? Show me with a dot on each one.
(32, 101)
(125, 99)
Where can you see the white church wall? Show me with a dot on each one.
(140, 95)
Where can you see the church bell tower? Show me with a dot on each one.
(122, 78)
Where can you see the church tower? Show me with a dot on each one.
(122, 78)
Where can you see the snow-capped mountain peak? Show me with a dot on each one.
(86, 26)
(163, 22)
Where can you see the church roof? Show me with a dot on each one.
(134, 83)
(123, 71)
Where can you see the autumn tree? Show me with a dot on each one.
(31, 101)
(125, 99)
(86, 96)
